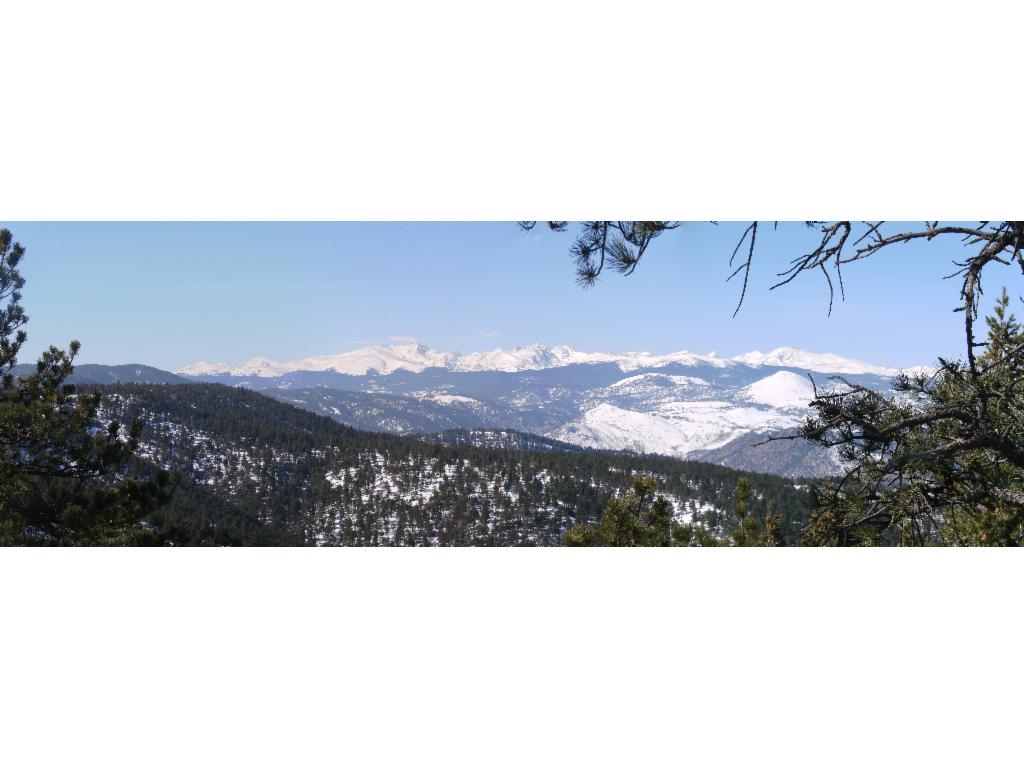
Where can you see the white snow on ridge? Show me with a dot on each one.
(678, 415)
(383, 359)
(657, 380)
(417, 358)
(790, 357)
(536, 357)
(258, 366)
(443, 399)
(673, 429)
(609, 427)
(529, 358)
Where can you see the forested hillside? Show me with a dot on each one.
(254, 470)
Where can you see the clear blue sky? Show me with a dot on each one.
(168, 294)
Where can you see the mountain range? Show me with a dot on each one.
(387, 359)
(681, 405)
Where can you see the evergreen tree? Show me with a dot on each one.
(634, 519)
(942, 462)
(57, 468)
(750, 531)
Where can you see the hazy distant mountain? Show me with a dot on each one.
(680, 404)
(113, 374)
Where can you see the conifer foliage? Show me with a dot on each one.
(942, 462)
(61, 476)
(640, 518)
(751, 530)
(634, 519)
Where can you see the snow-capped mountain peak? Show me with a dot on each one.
(386, 359)
(791, 357)
(781, 390)
(382, 359)
(257, 366)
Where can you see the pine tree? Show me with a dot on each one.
(634, 519)
(940, 463)
(751, 531)
(62, 476)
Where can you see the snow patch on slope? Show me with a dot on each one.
(673, 429)
(659, 380)
(607, 426)
(443, 399)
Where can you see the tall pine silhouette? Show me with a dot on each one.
(63, 477)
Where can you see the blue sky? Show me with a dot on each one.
(168, 294)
